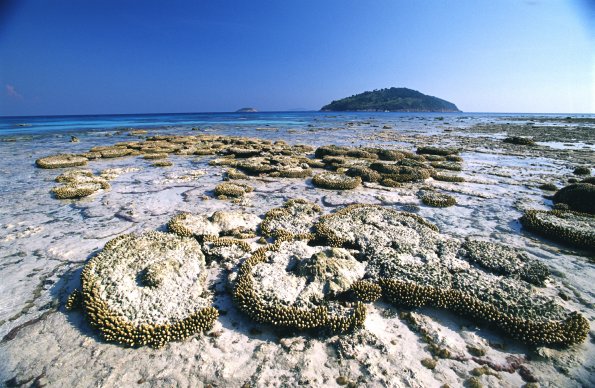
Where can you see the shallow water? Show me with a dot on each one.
(44, 242)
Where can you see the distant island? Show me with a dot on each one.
(392, 100)
(246, 110)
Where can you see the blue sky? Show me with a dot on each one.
(88, 57)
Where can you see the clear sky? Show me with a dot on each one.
(87, 57)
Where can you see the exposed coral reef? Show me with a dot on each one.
(147, 289)
(303, 301)
(399, 255)
(233, 190)
(568, 227)
(448, 178)
(292, 221)
(61, 161)
(398, 167)
(437, 151)
(502, 259)
(417, 266)
(276, 165)
(432, 198)
(519, 140)
(220, 223)
(335, 181)
(578, 196)
(78, 184)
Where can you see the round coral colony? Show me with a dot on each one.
(146, 289)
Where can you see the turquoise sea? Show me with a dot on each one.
(38, 125)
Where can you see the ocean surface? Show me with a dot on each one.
(45, 242)
(39, 125)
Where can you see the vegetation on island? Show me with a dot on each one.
(393, 100)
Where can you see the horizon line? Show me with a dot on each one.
(287, 111)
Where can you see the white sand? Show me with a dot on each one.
(44, 243)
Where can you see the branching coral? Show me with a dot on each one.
(273, 165)
(452, 166)
(366, 173)
(71, 191)
(386, 154)
(448, 178)
(232, 173)
(162, 163)
(153, 156)
(225, 250)
(114, 152)
(548, 187)
(582, 170)
(407, 170)
(366, 291)
(407, 167)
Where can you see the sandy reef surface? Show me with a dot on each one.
(45, 242)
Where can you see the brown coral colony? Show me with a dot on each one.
(401, 257)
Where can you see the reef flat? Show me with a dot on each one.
(344, 250)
